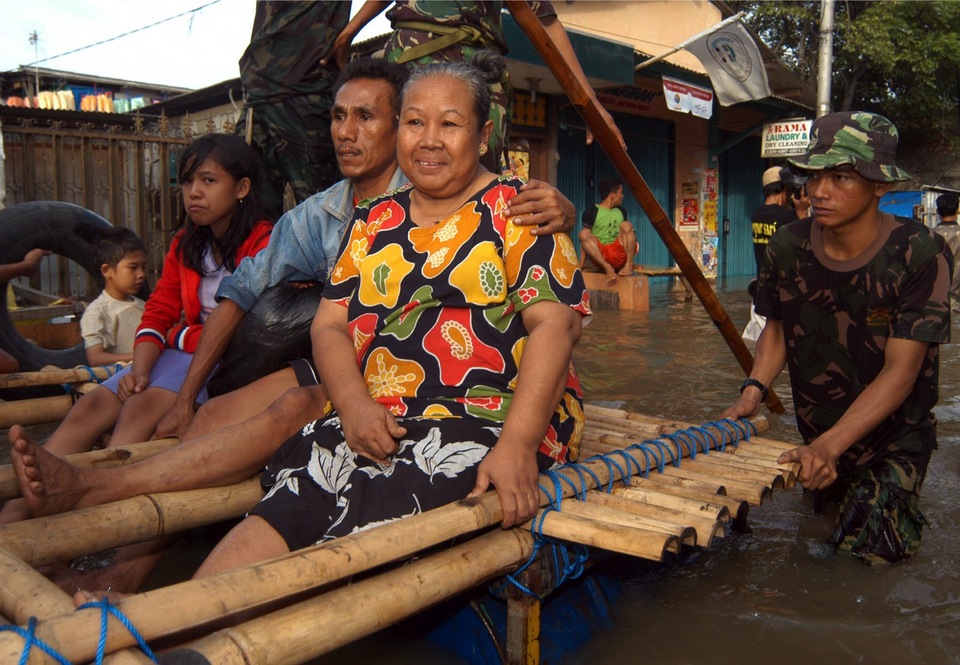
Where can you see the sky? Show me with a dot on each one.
(193, 51)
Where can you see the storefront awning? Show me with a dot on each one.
(605, 62)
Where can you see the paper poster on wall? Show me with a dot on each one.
(708, 255)
(687, 98)
(689, 215)
(710, 217)
(519, 164)
(709, 205)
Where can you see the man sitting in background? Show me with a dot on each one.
(606, 237)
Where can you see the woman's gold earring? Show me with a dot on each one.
(483, 150)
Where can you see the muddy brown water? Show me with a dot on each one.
(775, 594)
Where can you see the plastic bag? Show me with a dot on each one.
(274, 332)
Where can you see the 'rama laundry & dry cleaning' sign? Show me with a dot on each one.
(785, 138)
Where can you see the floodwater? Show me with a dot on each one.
(775, 594)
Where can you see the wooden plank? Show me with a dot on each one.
(44, 312)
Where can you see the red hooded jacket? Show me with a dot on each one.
(171, 317)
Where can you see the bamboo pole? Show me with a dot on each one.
(52, 377)
(685, 534)
(752, 493)
(735, 470)
(175, 608)
(780, 475)
(644, 543)
(100, 459)
(706, 529)
(662, 224)
(34, 411)
(317, 626)
(45, 540)
(733, 510)
(25, 592)
(681, 504)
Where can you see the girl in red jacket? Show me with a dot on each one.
(219, 226)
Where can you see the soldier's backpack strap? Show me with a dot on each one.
(448, 36)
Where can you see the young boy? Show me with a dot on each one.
(8, 271)
(110, 322)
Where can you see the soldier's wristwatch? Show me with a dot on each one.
(756, 384)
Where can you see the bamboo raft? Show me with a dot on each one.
(631, 495)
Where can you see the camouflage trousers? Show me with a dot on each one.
(292, 138)
(501, 93)
(880, 519)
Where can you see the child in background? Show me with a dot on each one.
(8, 271)
(109, 323)
(220, 225)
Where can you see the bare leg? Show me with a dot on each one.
(51, 485)
(238, 405)
(628, 239)
(591, 246)
(140, 415)
(250, 542)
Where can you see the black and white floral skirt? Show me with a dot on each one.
(319, 489)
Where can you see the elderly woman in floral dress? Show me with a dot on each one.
(449, 331)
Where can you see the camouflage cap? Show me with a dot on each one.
(865, 141)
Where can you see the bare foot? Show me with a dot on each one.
(624, 272)
(49, 484)
(611, 274)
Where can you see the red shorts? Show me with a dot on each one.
(614, 255)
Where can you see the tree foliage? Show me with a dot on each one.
(901, 59)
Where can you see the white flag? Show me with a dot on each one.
(733, 63)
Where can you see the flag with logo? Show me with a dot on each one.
(733, 62)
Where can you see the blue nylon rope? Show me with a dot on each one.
(678, 453)
(107, 608)
(610, 479)
(723, 434)
(31, 640)
(706, 434)
(689, 440)
(569, 560)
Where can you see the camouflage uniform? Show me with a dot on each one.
(289, 93)
(837, 317)
(479, 28)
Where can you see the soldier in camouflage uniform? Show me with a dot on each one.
(857, 304)
(288, 91)
(426, 31)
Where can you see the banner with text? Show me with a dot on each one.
(687, 98)
(785, 138)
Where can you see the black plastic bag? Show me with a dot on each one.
(274, 332)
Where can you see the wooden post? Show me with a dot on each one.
(523, 617)
(662, 224)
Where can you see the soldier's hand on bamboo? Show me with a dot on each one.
(371, 430)
(133, 383)
(513, 472)
(818, 464)
(543, 208)
(746, 406)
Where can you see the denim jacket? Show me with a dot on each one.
(303, 246)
